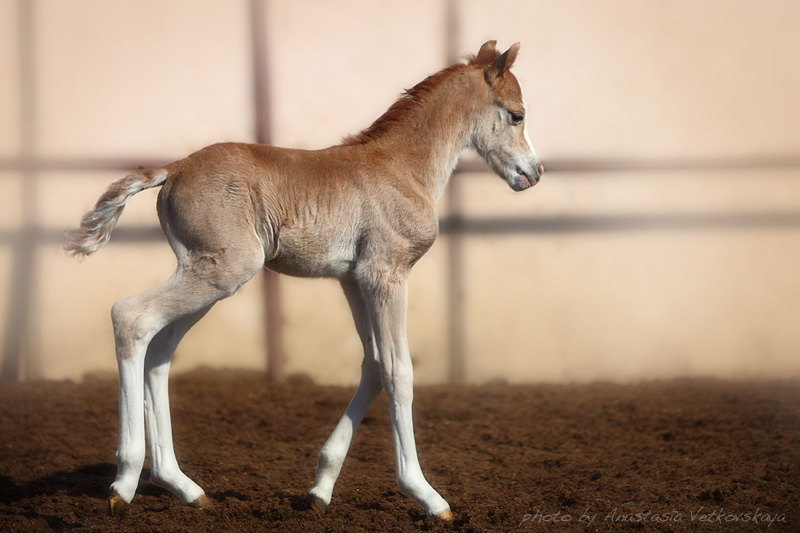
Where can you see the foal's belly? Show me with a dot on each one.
(306, 254)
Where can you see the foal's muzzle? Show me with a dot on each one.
(526, 179)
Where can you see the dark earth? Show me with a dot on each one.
(685, 455)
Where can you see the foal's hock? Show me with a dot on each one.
(362, 212)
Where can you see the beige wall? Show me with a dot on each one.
(607, 80)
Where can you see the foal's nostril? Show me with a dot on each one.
(540, 169)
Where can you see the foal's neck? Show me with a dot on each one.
(426, 130)
(440, 131)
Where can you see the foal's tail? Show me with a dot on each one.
(96, 225)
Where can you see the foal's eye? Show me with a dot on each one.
(516, 117)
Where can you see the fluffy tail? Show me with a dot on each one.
(96, 225)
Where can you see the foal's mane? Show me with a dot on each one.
(416, 96)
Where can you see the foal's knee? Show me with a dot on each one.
(399, 384)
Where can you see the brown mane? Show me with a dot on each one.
(416, 96)
(410, 98)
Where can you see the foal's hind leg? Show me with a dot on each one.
(333, 453)
(137, 320)
(164, 466)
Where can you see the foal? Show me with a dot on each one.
(362, 212)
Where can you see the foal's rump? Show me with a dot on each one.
(203, 194)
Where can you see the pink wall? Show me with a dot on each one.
(612, 80)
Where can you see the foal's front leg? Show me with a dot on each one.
(333, 453)
(386, 302)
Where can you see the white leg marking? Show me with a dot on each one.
(333, 453)
(165, 469)
(388, 314)
(130, 451)
(137, 321)
(410, 479)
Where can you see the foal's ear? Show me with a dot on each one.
(486, 54)
(500, 66)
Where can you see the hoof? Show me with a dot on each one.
(115, 504)
(447, 515)
(201, 502)
(318, 505)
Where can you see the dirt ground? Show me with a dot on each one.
(661, 456)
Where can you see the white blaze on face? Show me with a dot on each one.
(525, 130)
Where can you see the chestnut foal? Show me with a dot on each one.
(362, 212)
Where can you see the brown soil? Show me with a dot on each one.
(662, 456)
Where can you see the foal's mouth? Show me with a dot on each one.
(522, 180)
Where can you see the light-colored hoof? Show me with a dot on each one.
(201, 503)
(115, 504)
(447, 515)
(318, 505)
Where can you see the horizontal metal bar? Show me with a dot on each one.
(88, 163)
(625, 222)
(512, 225)
(567, 165)
(582, 165)
(54, 236)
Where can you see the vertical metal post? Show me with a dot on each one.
(276, 356)
(455, 249)
(23, 268)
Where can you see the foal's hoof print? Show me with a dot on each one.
(116, 505)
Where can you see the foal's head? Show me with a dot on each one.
(500, 135)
